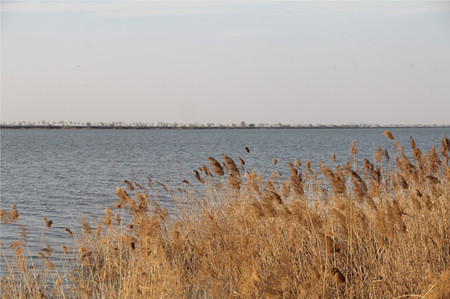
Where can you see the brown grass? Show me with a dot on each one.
(358, 230)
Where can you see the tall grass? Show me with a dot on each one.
(377, 229)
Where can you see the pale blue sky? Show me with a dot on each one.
(225, 62)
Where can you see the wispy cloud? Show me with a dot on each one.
(136, 9)
(122, 9)
(421, 8)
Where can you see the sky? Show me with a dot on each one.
(298, 62)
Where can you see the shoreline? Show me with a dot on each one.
(52, 127)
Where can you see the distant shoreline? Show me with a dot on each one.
(216, 127)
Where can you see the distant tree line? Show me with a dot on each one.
(175, 125)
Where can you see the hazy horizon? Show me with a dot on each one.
(242, 124)
(226, 62)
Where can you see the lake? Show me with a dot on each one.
(66, 174)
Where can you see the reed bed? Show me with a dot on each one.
(372, 229)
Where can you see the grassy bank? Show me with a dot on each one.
(349, 230)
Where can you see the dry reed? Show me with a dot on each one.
(355, 231)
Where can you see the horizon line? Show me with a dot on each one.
(176, 125)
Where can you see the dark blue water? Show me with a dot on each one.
(66, 174)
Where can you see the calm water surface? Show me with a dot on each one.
(66, 174)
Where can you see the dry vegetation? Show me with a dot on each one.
(366, 230)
